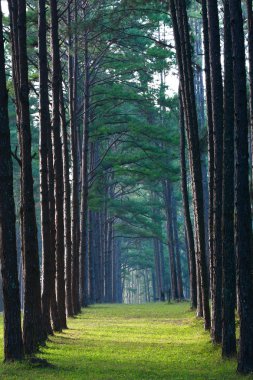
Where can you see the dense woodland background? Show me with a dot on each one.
(126, 163)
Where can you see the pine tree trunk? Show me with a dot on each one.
(210, 134)
(13, 345)
(92, 253)
(250, 52)
(66, 209)
(84, 186)
(217, 116)
(75, 219)
(183, 49)
(243, 231)
(32, 323)
(228, 248)
(45, 127)
(53, 306)
(187, 216)
(177, 251)
(58, 165)
(170, 236)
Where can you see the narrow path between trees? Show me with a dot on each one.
(111, 342)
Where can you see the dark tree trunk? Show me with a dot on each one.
(13, 345)
(108, 262)
(84, 186)
(228, 249)
(168, 205)
(75, 222)
(58, 165)
(97, 248)
(32, 323)
(53, 307)
(187, 216)
(66, 209)
(217, 116)
(92, 253)
(45, 128)
(157, 267)
(210, 134)
(178, 259)
(200, 102)
(250, 42)
(243, 245)
(183, 49)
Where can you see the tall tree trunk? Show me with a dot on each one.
(243, 231)
(53, 305)
(13, 345)
(32, 323)
(183, 49)
(210, 134)
(200, 102)
(66, 209)
(177, 250)
(250, 52)
(186, 207)
(168, 205)
(75, 222)
(228, 248)
(92, 253)
(58, 165)
(84, 186)
(217, 116)
(45, 127)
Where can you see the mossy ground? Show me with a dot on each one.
(111, 342)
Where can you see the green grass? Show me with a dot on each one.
(111, 342)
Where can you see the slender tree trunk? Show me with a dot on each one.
(243, 231)
(187, 216)
(228, 248)
(84, 186)
(58, 165)
(183, 49)
(75, 222)
(45, 127)
(210, 134)
(217, 116)
(53, 307)
(177, 251)
(66, 209)
(13, 345)
(92, 253)
(32, 323)
(170, 236)
(250, 51)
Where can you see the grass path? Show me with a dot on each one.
(111, 342)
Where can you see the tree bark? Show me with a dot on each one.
(58, 165)
(75, 222)
(13, 344)
(177, 251)
(66, 208)
(186, 207)
(228, 248)
(183, 50)
(217, 117)
(243, 231)
(84, 186)
(168, 208)
(45, 127)
(32, 323)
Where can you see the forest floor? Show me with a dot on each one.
(111, 342)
